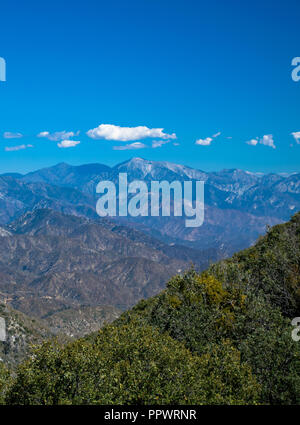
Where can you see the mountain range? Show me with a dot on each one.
(51, 261)
(58, 257)
(238, 204)
(66, 271)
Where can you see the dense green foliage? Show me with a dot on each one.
(197, 311)
(133, 364)
(220, 337)
(5, 380)
(271, 267)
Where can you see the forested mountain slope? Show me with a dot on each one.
(220, 337)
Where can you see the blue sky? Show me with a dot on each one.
(191, 68)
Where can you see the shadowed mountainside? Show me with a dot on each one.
(50, 261)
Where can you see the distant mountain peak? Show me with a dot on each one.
(135, 161)
(143, 165)
(154, 168)
(62, 164)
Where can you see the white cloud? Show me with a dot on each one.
(204, 142)
(135, 145)
(159, 143)
(58, 135)
(68, 143)
(43, 134)
(127, 134)
(207, 141)
(266, 140)
(296, 136)
(9, 135)
(17, 148)
(252, 142)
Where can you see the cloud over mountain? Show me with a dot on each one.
(68, 143)
(266, 140)
(204, 142)
(17, 148)
(126, 134)
(252, 142)
(296, 136)
(207, 141)
(135, 145)
(159, 143)
(58, 135)
(10, 135)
